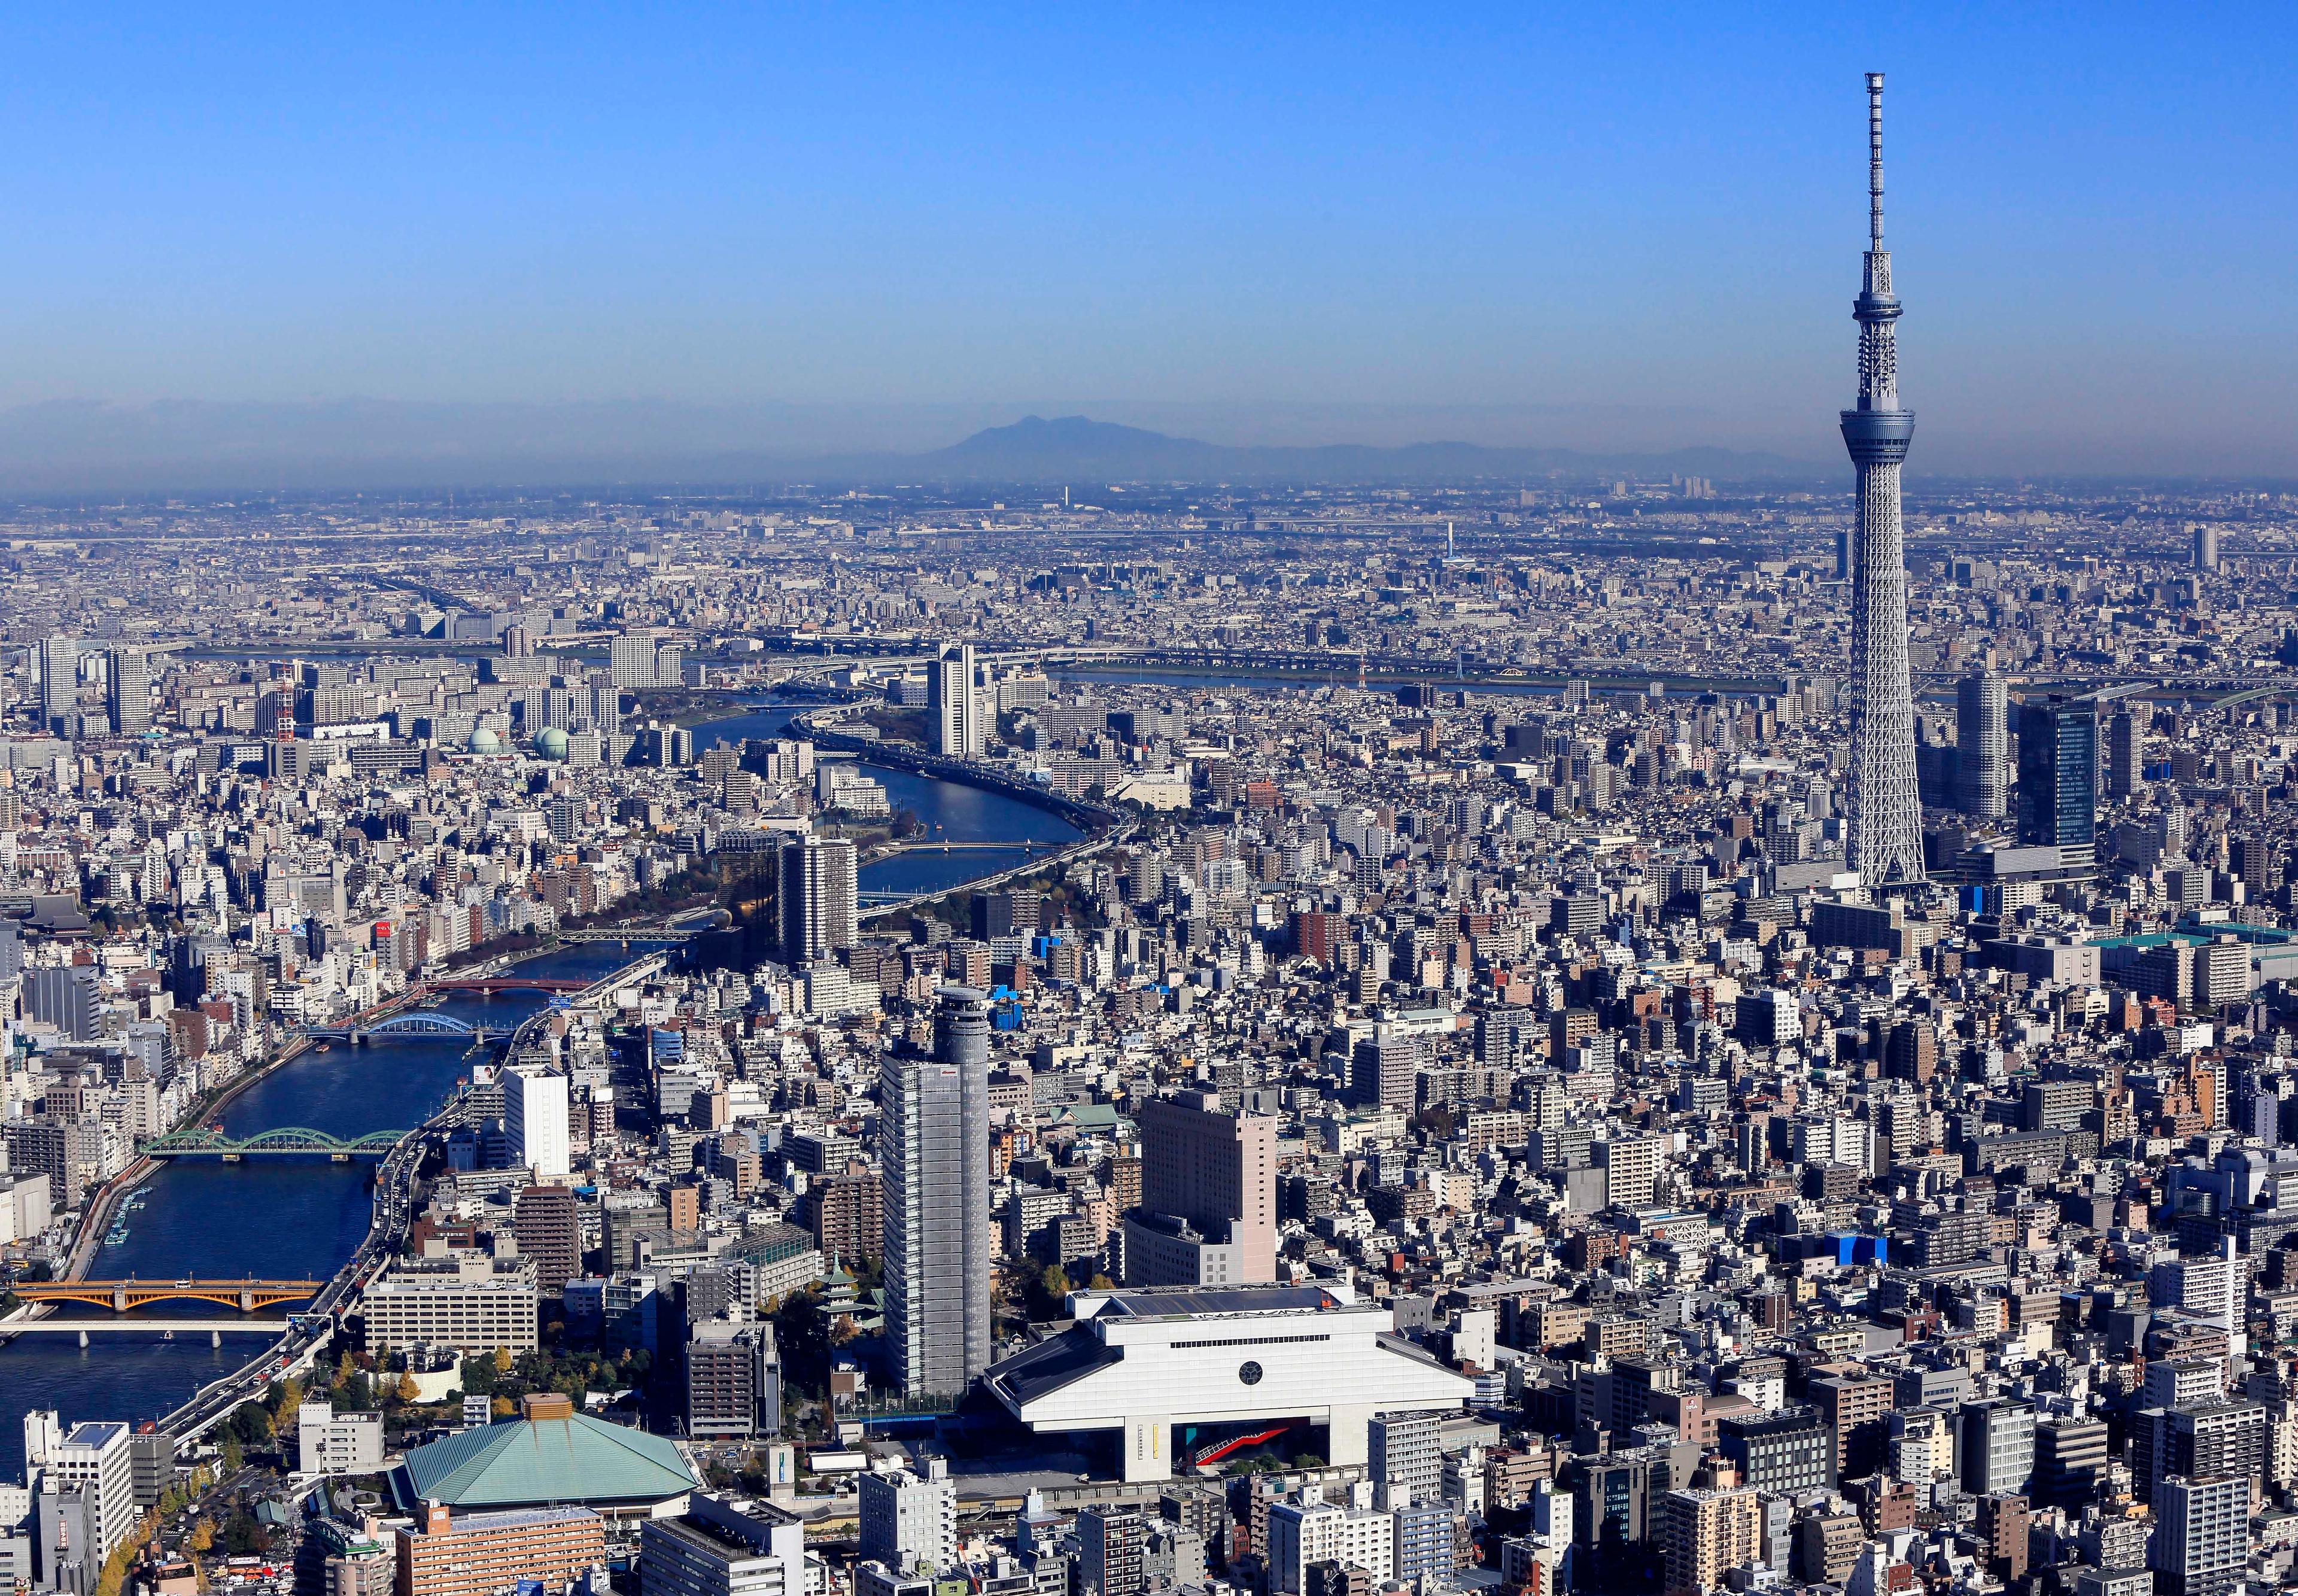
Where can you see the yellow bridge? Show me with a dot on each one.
(122, 1296)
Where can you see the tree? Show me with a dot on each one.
(203, 1535)
(252, 1423)
(407, 1390)
(802, 1334)
(234, 1455)
(123, 1556)
(502, 1359)
(479, 1375)
(500, 1407)
(1046, 1292)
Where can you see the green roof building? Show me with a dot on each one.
(551, 1457)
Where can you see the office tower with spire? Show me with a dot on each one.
(1887, 816)
(1983, 741)
(933, 1115)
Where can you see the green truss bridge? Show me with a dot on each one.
(286, 1141)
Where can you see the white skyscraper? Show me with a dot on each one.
(631, 660)
(59, 678)
(96, 1458)
(954, 706)
(1982, 739)
(534, 1122)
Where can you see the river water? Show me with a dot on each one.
(298, 1218)
(950, 811)
(281, 1219)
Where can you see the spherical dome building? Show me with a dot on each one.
(484, 741)
(551, 742)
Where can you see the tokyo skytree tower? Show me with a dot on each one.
(1887, 814)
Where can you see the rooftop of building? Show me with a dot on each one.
(1200, 1301)
(510, 1518)
(529, 1462)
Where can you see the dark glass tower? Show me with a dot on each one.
(2058, 772)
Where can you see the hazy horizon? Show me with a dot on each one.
(242, 243)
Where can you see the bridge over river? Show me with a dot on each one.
(283, 1141)
(125, 1296)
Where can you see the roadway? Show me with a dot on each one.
(394, 1211)
(308, 1334)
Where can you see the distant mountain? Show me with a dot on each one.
(1034, 449)
(180, 445)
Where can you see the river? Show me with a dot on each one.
(951, 812)
(283, 1219)
(300, 1218)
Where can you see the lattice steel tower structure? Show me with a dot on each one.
(1887, 814)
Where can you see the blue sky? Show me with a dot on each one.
(1525, 224)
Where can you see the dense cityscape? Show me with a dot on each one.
(1605, 1030)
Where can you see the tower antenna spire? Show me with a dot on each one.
(1875, 161)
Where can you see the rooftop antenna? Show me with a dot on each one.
(1875, 161)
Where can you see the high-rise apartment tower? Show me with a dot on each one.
(817, 897)
(1982, 740)
(935, 1119)
(59, 679)
(2125, 748)
(129, 694)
